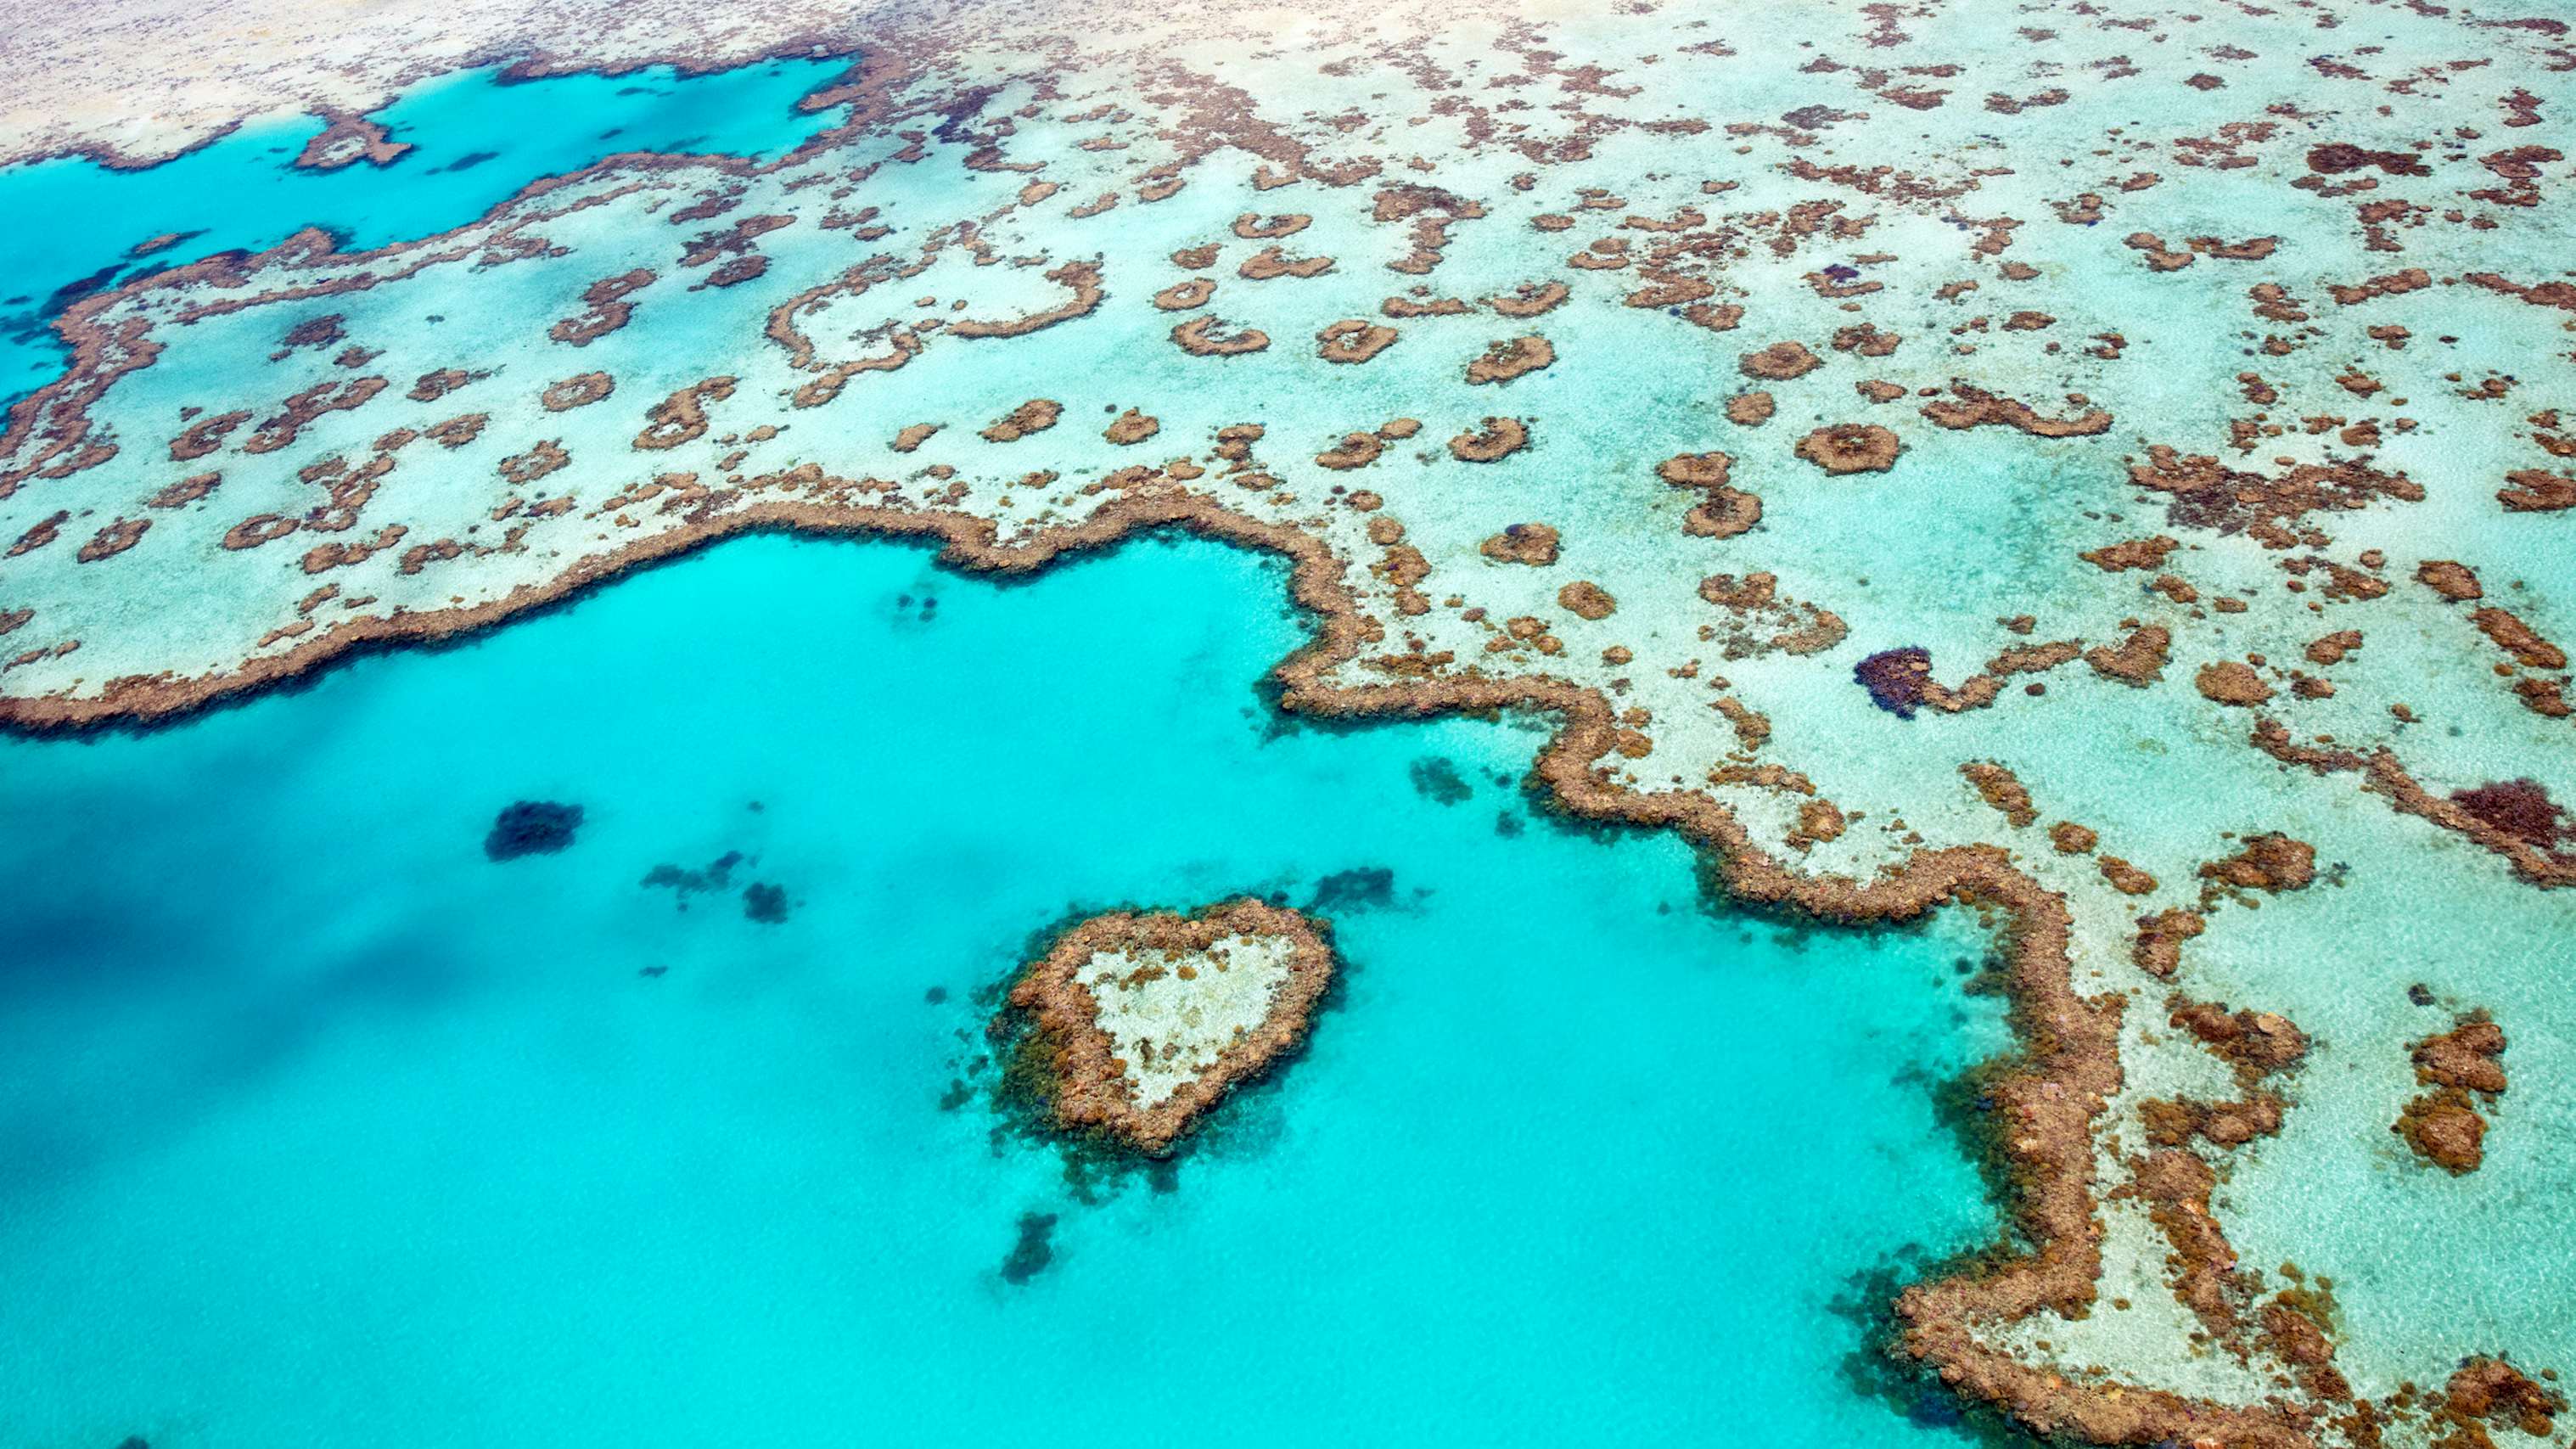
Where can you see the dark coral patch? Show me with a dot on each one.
(1031, 1254)
(1362, 888)
(765, 903)
(2521, 809)
(1437, 780)
(1895, 678)
(531, 827)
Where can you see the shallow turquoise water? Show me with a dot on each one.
(320, 1128)
(476, 141)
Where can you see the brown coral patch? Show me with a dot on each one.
(114, 539)
(2333, 158)
(1355, 450)
(1975, 407)
(1851, 448)
(1498, 438)
(543, 457)
(1271, 262)
(2531, 490)
(1252, 226)
(2231, 682)
(2158, 948)
(1082, 279)
(1353, 339)
(2454, 581)
(2002, 789)
(1722, 512)
(348, 140)
(1034, 416)
(324, 557)
(1587, 600)
(1530, 299)
(1184, 295)
(1752, 591)
(184, 492)
(1522, 543)
(2518, 639)
(1199, 338)
(2467, 1056)
(302, 409)
(2125, 878)
(2270, 863)
(579, 390)
(257, 529)
(1779, 362)
(2255, 1043)
(1512, 358)
(1131, 426)
(2206, 494)
(204, 436)
(608, 308)
(2174, 1122)
(438, 382)
(682, 416)
(2137, 553)
(1696, 470)
(458, 431)
(2332, 648)
(2489, 1391)
(1749, 409)
(2444, 1128)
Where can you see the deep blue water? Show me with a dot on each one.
(476, 141)
(319, 1128)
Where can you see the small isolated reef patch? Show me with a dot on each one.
(531, 827)
(683, 882)
(765, 903)
(2463, 1071)
(1437, 780)
(1367, 887)
(1035, 1249)
(1133, 1025)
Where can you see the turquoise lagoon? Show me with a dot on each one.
(320, 1128)
(476, 140)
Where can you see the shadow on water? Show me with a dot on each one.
(227, 1049)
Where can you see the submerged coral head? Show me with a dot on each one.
(531, 827)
